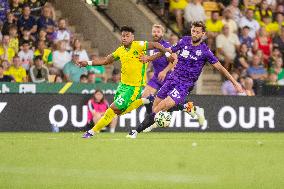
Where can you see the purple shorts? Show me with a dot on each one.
(177, 90)
(155, 83)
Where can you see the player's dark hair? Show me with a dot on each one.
(127, 29)
(199, 24)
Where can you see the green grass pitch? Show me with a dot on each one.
(153, 160)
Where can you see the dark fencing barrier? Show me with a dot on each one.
(37, 112)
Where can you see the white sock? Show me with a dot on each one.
(91, 132)
(145, 100)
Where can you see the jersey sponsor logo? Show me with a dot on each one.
(141, 43)
(185, 54)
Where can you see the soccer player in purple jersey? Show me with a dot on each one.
(192, 54)
(161, 66)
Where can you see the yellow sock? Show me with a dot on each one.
(105, 120)
(135, 104)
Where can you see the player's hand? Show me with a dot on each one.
(144, 58)
(82, 63)
(172, 58)
(162, 75)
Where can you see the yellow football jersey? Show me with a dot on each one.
(133, 71)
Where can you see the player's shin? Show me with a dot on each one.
(105, 120)
(148, 121)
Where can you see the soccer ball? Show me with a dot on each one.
(163, 119)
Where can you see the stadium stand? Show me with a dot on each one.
(39, 27)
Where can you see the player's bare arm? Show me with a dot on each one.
(156, 45)
(222, 70)
(162, 75)
(146, 58)
(97, 61)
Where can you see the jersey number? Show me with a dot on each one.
(119, 100)
(175, 93)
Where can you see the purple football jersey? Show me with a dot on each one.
(191, 59)
(161, 63)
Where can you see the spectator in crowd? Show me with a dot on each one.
(62, 33)
(83, 78)
(77, 49)
(16, 8)
(272, 4)
(241, 63)
(249, 21)
(278, 41)
(99, 71)
(248, 86)
(227, 44)
(262, 10)
(27, 21)
(44, 52)
(26, 55)
(17, 71)
(42, 36)
(97, 106)
(3, 77)
(36, 6)
(228, 20)
(46, 21)
(58, 79)
(173, 39)
(14, 40)
(91, 77)
(279, 20)
(4, 9)
(275, 55)
(72, 72)
(6, 66)
(245, 38)
(194, 11)
(38, 72)
(26, 36)
(251, 4)
(256, 70)
(115, 77)
(272, 79)
(228, 88)
(60, 57)
(264, 43)
(271, 28)
(8, 23)
(214, 27)
(277, 69)
(6, 52)
(280, 7)
(234, 8)
(177, 7)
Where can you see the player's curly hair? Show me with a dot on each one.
(199, 24)
(127, 29)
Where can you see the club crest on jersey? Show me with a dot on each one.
(198, 53)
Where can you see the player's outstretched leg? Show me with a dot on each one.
(137, 103)
(159, 105)
(103, 122)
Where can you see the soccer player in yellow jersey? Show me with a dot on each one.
(133, 76)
